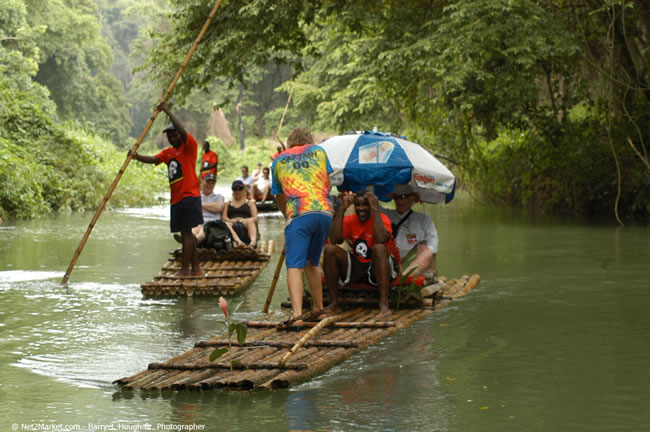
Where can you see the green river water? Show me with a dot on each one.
(556, 337)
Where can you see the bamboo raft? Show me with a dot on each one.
(277, 356)
(267, 206)
(226, 272)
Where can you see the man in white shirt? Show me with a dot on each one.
(211, 203)
(413, 229)
(257, 173)
(247, 180)
(262, 187)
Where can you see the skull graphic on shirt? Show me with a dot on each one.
(361, 249)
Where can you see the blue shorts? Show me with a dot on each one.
(304, 239)
(185, 214)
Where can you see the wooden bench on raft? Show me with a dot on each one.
(364, 294)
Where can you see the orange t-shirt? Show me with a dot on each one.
(360, 234)
(181, 170)
(209, 158)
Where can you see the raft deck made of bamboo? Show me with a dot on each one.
(275, 356)
(267, 206)
(226, 272)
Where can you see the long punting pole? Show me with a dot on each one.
(277, 133)
(278, 268)
(137, 144)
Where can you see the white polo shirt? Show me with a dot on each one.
(417, 227)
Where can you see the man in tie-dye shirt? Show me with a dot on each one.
(301, 186)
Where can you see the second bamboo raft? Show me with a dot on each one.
(226, 272)
(262, 361)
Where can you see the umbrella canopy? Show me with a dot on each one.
(383, 160)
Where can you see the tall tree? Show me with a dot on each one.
(75, 65)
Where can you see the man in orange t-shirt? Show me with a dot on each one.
(374, 257)
(186, 210)
(209, 161)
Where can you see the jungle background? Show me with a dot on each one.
(538, 104)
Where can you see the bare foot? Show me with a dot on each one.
(198, 272)
(182, 274)
(384, 312)
(332, 309)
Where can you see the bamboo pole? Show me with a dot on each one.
(137, 144)
(311, 333)
(276, 276)
(281, 344)
(346, 324)
(277, 133)
(471, 283)
(224, 365)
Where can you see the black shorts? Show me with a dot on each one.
(186, 214)
(363, 272)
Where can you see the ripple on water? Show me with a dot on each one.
(13, 276)
(89, 334)
(159, 213)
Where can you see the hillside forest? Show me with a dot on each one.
(538, 104)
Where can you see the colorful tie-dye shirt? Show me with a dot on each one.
(302, 174)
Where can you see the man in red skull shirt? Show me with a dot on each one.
(374, 257)
(186, 210)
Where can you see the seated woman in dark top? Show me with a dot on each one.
(240, 214)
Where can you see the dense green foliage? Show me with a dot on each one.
(74, 64)
(46, 166)
(230, 162)
(537, 101)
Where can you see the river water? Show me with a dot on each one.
(556, 337)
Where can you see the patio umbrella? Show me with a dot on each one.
(382, 160)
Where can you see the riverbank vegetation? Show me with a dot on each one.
(534, 104)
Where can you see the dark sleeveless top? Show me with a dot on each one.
(239, 212)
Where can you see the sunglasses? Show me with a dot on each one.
(237, 188)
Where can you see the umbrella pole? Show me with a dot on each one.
(137, 144)
(278, 268)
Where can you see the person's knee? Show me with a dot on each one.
(330, 250)
(424, 257)
(380, 250)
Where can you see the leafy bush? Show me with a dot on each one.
(47, 167)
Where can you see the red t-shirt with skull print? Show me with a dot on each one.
(181, 163)
(360, 235)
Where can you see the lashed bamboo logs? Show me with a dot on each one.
(226, 272)
(340, 324)
(265, 360)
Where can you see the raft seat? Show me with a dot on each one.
(419, 282)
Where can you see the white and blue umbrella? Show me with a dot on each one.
(383, 160)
